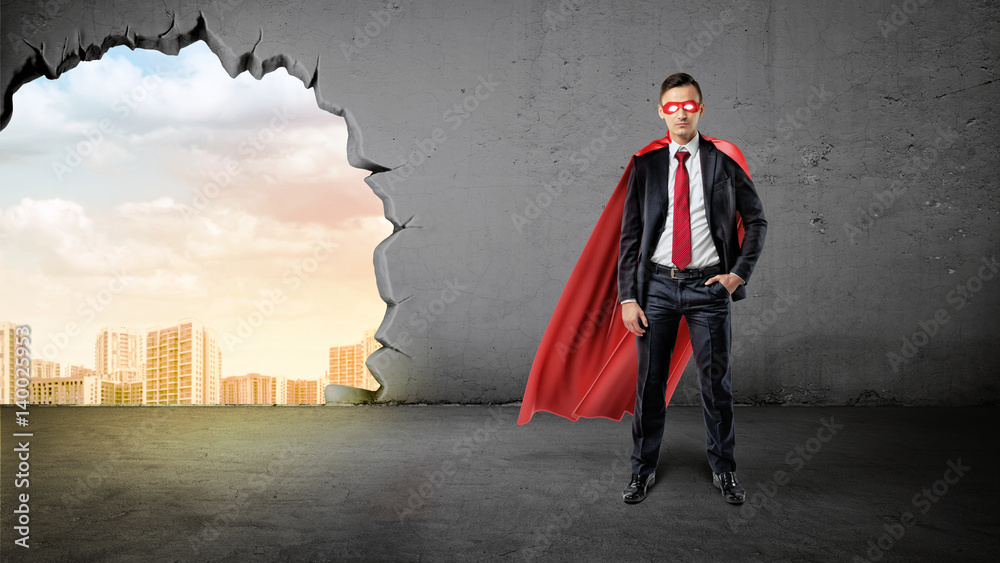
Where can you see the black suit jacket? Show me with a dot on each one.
(728, 191)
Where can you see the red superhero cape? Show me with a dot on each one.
(586, 361)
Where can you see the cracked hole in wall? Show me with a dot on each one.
(144, 192)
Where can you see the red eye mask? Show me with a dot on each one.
(689, 106)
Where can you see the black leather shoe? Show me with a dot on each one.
(732, 491)
(637, 487)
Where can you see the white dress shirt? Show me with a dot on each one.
(703, 252)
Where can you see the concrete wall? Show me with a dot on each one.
(870, 128)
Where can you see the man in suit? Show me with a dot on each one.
(680, 255)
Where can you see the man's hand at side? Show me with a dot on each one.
(631, 313)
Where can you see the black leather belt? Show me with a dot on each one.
(686, 274)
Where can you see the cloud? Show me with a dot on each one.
(59, 234)
(191, 88)
(131, 207)
(182, 117)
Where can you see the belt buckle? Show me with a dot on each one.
(673, 272)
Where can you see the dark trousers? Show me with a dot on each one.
(707, 311)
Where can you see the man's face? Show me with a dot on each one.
(682, 124)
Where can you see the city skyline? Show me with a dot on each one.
(365, 349)
(95, 365)
(178, 364)
(131, 200)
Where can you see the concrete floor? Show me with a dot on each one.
(465, 483)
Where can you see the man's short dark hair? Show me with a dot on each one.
(680, 79)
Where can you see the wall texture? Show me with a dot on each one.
(869, 126)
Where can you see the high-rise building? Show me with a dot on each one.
(46, 369)
(98, 391)
(344, 362)
(183, 365)
(70, 370)
(119, 354)
(253, 389)
(62, 390)
(8, 361)
(305, 392)
(84, 390)
(347, 363)
(130, 393)
(54, 383)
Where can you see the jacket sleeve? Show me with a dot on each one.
(631, 239)
(751, 210)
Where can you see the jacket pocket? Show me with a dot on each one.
(720, 291)
(723, 185)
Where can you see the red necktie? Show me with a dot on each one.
(681, 253)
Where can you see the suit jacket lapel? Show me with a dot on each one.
(708, 162)
(660, 199)
(657, 200)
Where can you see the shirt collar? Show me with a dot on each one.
(692, 146)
